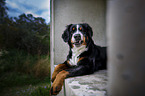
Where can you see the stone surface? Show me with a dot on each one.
(88, 85)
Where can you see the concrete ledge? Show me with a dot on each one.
(88, 85)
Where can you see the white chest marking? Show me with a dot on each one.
(76, 51)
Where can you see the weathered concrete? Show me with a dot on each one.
(88, 85)
(126, 40)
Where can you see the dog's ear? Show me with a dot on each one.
(89, 29)
(89, 32)
(65, 35)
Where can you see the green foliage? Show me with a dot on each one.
(3, 11)
(19, 68)
(33, 87)
(23, 62)
(12, 79)
(27, 33)
(24, 55)
(41, 91)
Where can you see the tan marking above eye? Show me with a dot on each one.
(73, 29)
(80, 28)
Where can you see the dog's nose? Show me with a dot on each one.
(77, 37)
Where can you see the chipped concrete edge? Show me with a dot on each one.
(88, 85)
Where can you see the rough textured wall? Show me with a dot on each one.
(66, 12)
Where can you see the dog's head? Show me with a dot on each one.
(77, 34)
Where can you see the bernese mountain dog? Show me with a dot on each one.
(84, 56)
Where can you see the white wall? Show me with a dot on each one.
(65, 12)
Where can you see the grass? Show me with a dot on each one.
(39, 89)
(23, 74)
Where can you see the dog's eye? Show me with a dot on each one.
(80, 28)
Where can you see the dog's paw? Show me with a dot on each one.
(58, 82)
(55, 90)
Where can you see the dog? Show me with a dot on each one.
(84, 56)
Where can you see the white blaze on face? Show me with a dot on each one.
(77, 32)
(77, 50)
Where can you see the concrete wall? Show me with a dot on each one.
(126, 40)
(66, 12)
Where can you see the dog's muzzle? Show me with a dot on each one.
(77, 37)
(78, 40)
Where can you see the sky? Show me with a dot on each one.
(38, 8)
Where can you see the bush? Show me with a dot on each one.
(19, 68)
(41, 67)
(23, 62)
(26, 33)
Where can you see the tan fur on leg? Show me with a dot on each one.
(58, 82)
(57, 69)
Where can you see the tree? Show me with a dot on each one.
(3, 11)
(25, 32)
(33, 34)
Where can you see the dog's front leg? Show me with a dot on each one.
(58, 82)
(57, 69)
(61, 76)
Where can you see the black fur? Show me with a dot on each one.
(95, 57)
